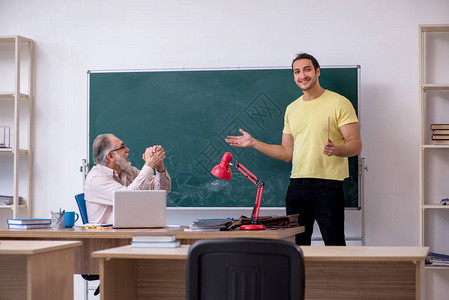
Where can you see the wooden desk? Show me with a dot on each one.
(363, 272)
(37, 269)
(331, 272)
(100, 239)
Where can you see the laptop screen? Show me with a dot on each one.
(139, 209)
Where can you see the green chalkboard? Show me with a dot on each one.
(191, 112)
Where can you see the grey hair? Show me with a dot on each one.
(101, 147)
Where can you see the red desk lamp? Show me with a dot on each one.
(223, 171)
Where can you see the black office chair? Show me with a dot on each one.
(81, 202)
(245, 269)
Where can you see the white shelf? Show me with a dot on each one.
(432, 268)
(11, 39)
(21, 55)
(424, 147)
(11, 95)
(435, 87)
(435, 206)
(10, 150)
(434, 28)
(429, 233)
(9, 206)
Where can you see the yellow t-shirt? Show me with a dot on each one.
(307, 122)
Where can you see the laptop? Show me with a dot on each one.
(139, 209)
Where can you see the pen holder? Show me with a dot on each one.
(57, 220)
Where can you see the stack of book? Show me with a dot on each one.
(28, 223)
(8, 200)
(436, 259)
(209, 225)
(440, 134)
(154, 241)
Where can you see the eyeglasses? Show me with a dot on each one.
(119, 148)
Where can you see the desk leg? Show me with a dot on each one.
(419, 268)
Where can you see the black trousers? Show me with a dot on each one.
(321, 200)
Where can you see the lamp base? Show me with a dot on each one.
(252, 227)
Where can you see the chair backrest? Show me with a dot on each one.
(82, 207)
(245, 269)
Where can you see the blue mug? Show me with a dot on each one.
(70, 218)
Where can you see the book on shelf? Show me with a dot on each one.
(28, 226)
(441, 142)
(153, 238)
(439, 126)
(29, 221)
(437, 259)
(8, 200)
(440, 136)
(440, 131)
(173, 244)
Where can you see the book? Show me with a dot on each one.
(437, 259)
(28, 226)
(441, 131)
(8, 200)
(439, 126)
(209, 225)
(441, 142)
(196, 228)
(29, 221)
(215, 223)
(173, 244)
(153, 238)
(440, 136)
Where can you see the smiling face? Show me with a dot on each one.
(119, 156)
(305, 75)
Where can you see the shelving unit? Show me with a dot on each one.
(434, 159)
(19, 97)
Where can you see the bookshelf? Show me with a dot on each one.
(434, 159)
(16, 90)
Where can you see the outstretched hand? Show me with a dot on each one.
(244, 140)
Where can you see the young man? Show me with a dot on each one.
(321, 130)
(113, 172)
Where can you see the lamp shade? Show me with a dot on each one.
(223, 170)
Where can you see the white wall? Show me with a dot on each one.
(382, 36)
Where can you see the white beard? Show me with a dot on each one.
(121, 162)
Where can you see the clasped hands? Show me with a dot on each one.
(154, 158)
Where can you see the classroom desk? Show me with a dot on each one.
(331, 272)
(100, 239)
(37, 269)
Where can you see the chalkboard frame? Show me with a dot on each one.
(356, 163)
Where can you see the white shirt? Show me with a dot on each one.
(102, 181)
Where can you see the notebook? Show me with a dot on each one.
(139, 209)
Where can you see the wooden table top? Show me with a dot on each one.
(79, 232)
(311, 253)
(34, 247)
(363, 253)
